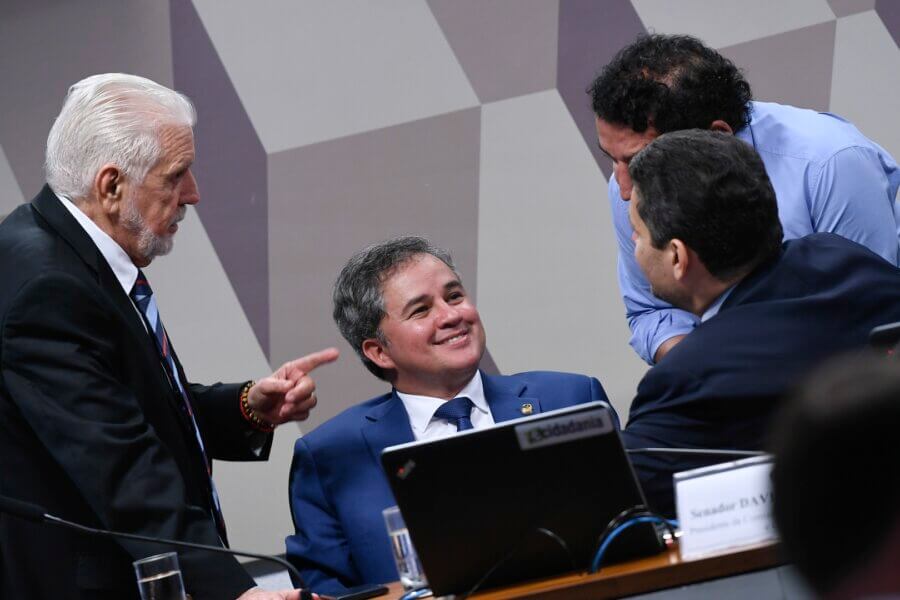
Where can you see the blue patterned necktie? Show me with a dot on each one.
(457, 411)
(142, 295)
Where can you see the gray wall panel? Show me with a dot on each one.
(329, 124)
(45, 46)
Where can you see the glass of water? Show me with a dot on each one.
(159, 577)
(408, 566)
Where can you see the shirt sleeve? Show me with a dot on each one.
(227, 435)
(652, 321)
(850, 195)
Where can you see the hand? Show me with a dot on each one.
(261, 594)
(667, 346)
(288, 394)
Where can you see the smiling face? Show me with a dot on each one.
(432, 337)
(153, 208)
(620, 143)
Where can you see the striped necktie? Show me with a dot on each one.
(142, 295)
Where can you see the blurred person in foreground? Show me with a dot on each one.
(836, 479)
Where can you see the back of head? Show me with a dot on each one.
(671, 82)
(711, 191)
(837, 469)
(357, 296)
(110, 118)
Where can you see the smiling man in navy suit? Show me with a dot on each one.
(402, 307)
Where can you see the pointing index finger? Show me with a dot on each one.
(316, 359)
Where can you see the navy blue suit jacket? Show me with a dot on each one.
(719, 387)
(338, 488)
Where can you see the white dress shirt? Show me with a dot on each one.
(421, 411)
(118, 260)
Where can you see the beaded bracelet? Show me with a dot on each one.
(248, 412)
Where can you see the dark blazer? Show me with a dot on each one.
(719, 387)
(90, 427)
(338, 488)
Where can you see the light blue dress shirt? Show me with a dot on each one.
(827, 177)
(714, 308)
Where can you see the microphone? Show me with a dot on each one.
(697, 452)
(37, 514)
(24, 510)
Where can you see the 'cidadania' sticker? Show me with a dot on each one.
(563, 429)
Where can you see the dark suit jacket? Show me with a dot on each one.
(719, 387)
(90, 427)
(338, 488)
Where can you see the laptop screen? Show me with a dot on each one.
(521, 500)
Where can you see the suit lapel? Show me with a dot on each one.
(55, 214)
(507, 396)
(386, 424)
(145, 345)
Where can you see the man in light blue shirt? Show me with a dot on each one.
(827, 175)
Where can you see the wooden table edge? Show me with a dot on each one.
(654, 573)
(662, 571)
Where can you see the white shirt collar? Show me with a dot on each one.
(118, 260)
(714, 308)
(421, 409)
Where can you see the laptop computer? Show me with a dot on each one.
(524, 499)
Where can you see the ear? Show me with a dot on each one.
(681, 259)
(376, 351)
(109, 188)
(722, 126)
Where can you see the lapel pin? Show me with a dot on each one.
(527, 408)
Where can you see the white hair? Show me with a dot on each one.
(110, 118)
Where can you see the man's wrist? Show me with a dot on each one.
(250, 415)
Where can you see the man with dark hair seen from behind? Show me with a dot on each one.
(98, 422)
(836, 479)
(708, 239)
(827, 176)
(403, 308)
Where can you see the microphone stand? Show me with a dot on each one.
(36, 513)
(53, 520)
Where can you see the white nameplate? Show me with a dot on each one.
(725, 506)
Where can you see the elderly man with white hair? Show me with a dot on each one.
(98, 421)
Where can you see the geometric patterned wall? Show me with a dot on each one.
(327, 125)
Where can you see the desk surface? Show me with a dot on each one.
(658, 572)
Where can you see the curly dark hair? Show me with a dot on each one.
(671, 82)
(710, 190)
